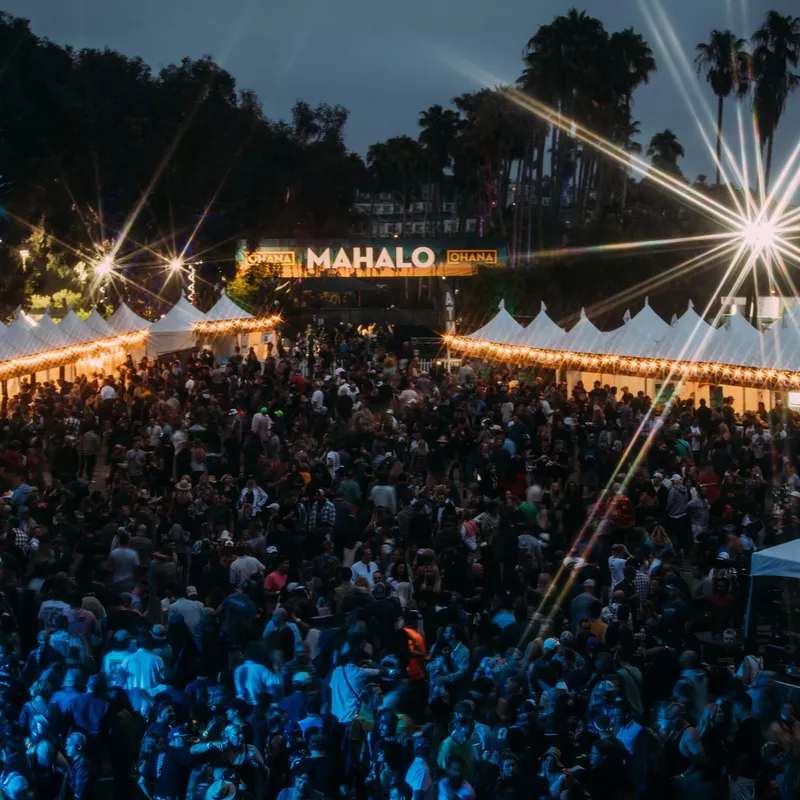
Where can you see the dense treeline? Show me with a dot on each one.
(97, 147)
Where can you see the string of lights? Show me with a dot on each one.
(640, 367)
(226, 327)
(69, 355)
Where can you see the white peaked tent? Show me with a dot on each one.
(584, 337)
(77, 330)
(175, 330)
(24, 334)
(22, 339)
(502, 328)
(649, 323)
(123, 320)
(224, 309)
(635, 339)
(99, 326)
(8, 350)
(686, 338)
(542, 332)
(736, 342)
(24, 319)
(781, 344)
(54, 336)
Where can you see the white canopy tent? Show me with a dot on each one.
(542, 332)
(225, 310)
(76, 329)
(53, 335)
(22, 338)
(736, 342)
(123, 320)
(583, 337)
(781, 345)
(636, 337)
(175, 330)
(782, 561)
(100, 327)
(502, 328)
(686, 337)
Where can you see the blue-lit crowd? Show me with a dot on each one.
(331, 572)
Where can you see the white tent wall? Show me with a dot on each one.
(165, 344)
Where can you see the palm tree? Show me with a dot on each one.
(665, 150)
(776, 50)
(440, 129)
(633, 62)
(563, 57)
(720, 59)
(404, 156)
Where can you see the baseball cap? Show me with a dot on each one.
(122, 636)
(550, 644)
(272, 550)
(274, 507)
(229, 543)
(191, 591)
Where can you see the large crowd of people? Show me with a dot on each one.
(331, 573)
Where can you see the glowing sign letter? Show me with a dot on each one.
(423, 257)
(313, 260)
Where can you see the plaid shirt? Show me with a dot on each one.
(320, 517)
(72, 426)
(21, 539)
(642, 583)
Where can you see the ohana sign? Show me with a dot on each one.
(408, 259)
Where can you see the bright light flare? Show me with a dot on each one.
(104, 267)
(176, 265)
(760, 235)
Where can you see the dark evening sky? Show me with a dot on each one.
(387, 61)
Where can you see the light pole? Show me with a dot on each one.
(24, 254)
(103, 269)
(178, 265)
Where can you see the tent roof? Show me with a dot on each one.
(8, 349)
(584, 337)
(632, 339)
(782, 561)
(542, 332)
(736, 342)
(225, 308)
(97, 324)
(24, 319)
(76, 329)
(181, 318)
(687, 337)
(650, 323)
(123, 320)
(502, 328)
(54, 336)
(781, 344)
(21, 339)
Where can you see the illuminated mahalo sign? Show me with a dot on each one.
(369, 258)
